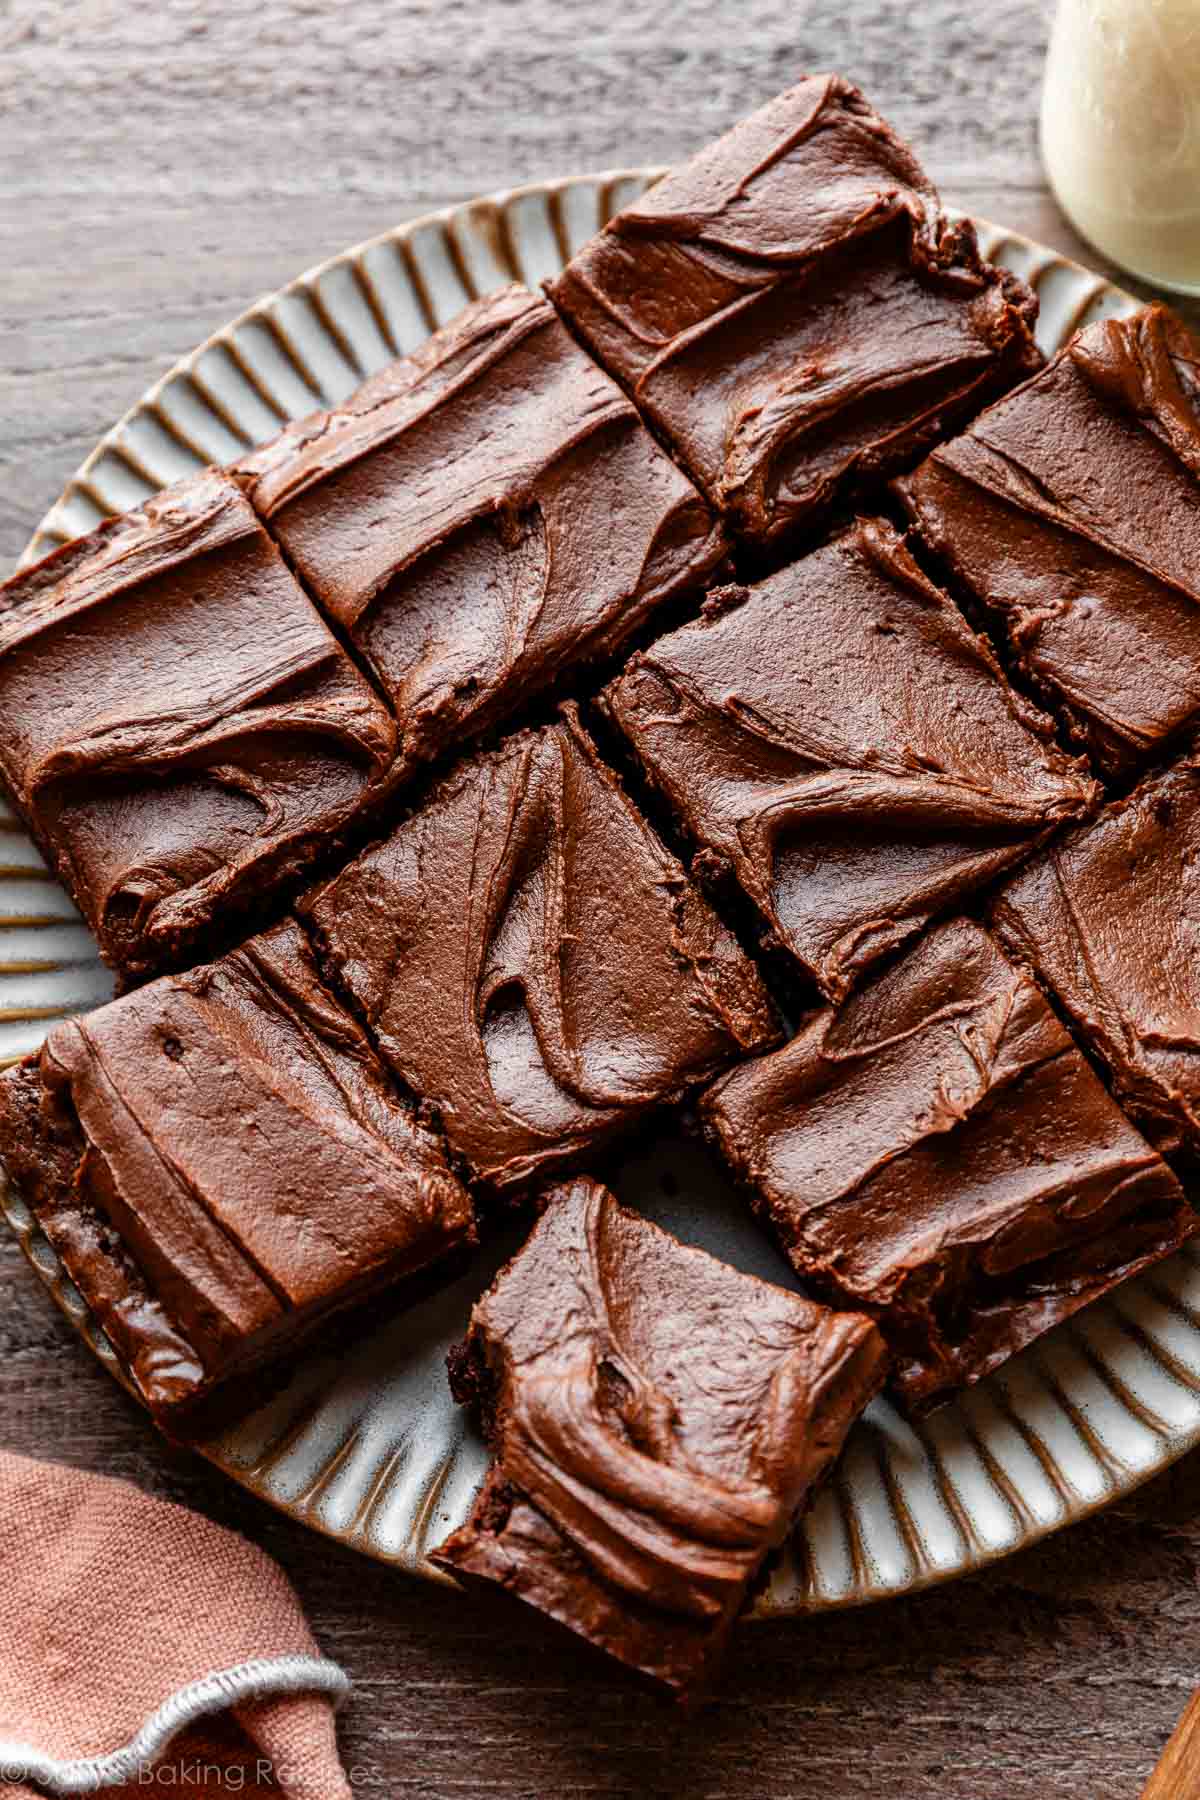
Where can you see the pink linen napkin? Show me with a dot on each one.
(145, 1651)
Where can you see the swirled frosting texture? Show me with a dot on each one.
(656, 1419)
(792, 312)
(482, 516)
(1070, 510)
(177, 723)
(1109, 917)
(221, 1160)
(533, 961)
(940, 1153)
(839, 740)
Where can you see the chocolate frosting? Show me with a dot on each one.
(940, 1153)
(656, 1419)
(1109, 917)
(177, 724)
(1070, 510)
(482, 516)
(533, 961)
(791, 311)
(221, 1159)
(839, 740)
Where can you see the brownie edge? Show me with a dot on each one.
(1067, 515)
(793, 313)
(534, 963)
(481, 518)
(1108, 918)
(179, 728)
(221, 1163)
(839, 740)
(656, 1419)
(940, 1154)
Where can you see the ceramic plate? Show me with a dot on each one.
(367, 1446)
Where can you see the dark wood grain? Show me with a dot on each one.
(159, 167)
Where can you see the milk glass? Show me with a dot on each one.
(1121, 131)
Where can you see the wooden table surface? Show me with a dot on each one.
(159, 167)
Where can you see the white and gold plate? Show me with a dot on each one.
(367, 1445)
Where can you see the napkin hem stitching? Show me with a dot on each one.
(263, 1678)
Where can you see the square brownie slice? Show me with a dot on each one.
(1109, 919)
(940, 1154)
(178, 725)
(533, 962)
(841, 742)
(221, 1161)
(792, 312)
(657, 1419)
(481, 517)
(1070, 513)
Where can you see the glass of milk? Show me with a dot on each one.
(1121, 132)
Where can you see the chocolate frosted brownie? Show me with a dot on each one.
(532, 960)
(177, 723)
(839, 740)
(221, 1161)
(656, 1419)
(793, 314)
(481, 517)
(940, 1154)
(1071, 511)
(1109, 918)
